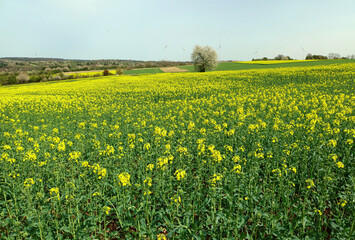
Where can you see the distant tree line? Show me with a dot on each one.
(278, 57)
(338, 56)
(308, 57)
(27, 70)
(319, 57)
(44, 64)
(330, 56)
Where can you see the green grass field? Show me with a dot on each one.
(142, 71)
(228, 66)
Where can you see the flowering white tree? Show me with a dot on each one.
(204, 58)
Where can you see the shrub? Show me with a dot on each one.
(105, 72)
(8, 78)
(119, 71)
(22, 78)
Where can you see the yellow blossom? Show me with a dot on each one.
(74, 155)
(176, 200)
(161, 237)
(318, 211)
(146, 146)
(216, 178)
(61, 146)
(277, 171)
(85, 164)
(106, 210)
(332, 143)
(147, 192)
(148, 181)
(124, 179)
(29, 182)
(342, 202)
(180, 174)
(54, 192)
(96, 194)
(310, 183)
(340, 164)
(150, 167)
(162, 163)
(237, 168)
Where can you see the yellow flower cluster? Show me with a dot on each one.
(215, 154)
(124, 179)
(54, 192)
(310, 183)
(150, 167)
(29, 182)
(217, 177)
(75, 155)
(180, 174)
(101, 172)
(342, 202)
(237, 168)
(176, 200)
(148, 181)
(106, 210)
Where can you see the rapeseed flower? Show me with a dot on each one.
(148, 181)
(74, 155)
(28, 182)
(106, 210)
(318, 211)
(61, 146)
(161, 237)
(54, 192)
(146, 146)
(124, 179)
(216, 178)
(277, 171)
(150, 167)
(340, 164)
(342, 202)
(310, 183)
(162, 163)
(176, 200)
(237, 168)
(180, 174)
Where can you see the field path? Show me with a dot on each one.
(172, 69)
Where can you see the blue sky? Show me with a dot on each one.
(140, 30)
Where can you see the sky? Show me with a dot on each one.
(169, 29)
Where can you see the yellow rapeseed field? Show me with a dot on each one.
(267, 62)
(256, 154)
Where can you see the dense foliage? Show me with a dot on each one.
(49, 69)
(257, 154)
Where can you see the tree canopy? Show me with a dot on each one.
(204, 58)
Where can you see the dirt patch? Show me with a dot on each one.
(172, 69)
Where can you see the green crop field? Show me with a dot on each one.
(142, 71)
(251, 154)
(227, 66)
